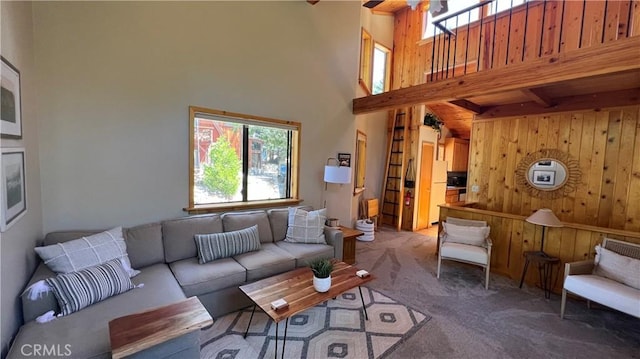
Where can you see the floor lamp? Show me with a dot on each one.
(335, 174)
(545, 218)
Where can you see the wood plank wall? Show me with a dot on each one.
(513, 43)
(606, 143)
(512, 236)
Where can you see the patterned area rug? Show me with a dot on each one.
(334, 329)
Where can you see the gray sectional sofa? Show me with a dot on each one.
(165, 253)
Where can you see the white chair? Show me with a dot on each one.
(611, 279)
(466, 241)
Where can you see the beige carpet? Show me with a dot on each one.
(334, 329)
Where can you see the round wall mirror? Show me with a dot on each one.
(548, 173)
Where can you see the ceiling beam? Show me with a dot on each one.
(538, 96)
(614, 57)
(629, 97)
(468, 105)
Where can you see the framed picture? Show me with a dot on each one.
(544, 178)
(546, 164)
(11, 105)
(13, 194)
(344, 159)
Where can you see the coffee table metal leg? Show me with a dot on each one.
(250, 319)
(276, 351)
(284, 339)
(366, 316)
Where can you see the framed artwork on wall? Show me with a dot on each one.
(544, 178)
(13, 191)
(11, 105)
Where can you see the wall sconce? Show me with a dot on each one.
(336, 173)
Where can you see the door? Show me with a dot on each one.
(424, 192)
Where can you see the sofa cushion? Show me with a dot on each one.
(226, 244)
(605, 291)
(279, 220)
(268, 261)
(177, 235)
(234, 221)
(306, 226)
(87, 252)
(78, 290)
(471, 235)
(612, 265)
(305, 252)
(144, 244)
(197, 279)
(465, 252)
(87, 331)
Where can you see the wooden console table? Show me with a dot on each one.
(349, 244)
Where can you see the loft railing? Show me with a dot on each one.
(521, 33)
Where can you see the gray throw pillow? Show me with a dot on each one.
(306, 226)
(86, 252)
(78, 290)
(222, 245)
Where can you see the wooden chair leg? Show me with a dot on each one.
(438, 271)
(563, 303)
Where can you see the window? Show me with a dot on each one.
(239, 159)
(453, 6)
(381, 69)
(502, 5)
(366, 44)
(466, 17)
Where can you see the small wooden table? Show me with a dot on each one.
(136, 332)
(296, 287)
(349, 244)
(545, 263)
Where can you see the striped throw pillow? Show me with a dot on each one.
(78, 290)
(306, 226)
(226, 244)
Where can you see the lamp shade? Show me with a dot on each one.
(337, 174)
(544, 217)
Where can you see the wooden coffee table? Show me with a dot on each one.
(296, 287)
(136, 332)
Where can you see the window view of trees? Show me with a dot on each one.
(237, 161)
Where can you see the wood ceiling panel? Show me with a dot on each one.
(457, 120)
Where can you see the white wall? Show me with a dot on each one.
(374, 125)
(17, 258)
(116, 79)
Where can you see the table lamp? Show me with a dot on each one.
(545, 218)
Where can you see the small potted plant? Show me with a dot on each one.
(321, 269)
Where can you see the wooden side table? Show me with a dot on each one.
(136, 332)
(349, 244)
(545, 263)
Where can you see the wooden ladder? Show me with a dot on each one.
(393, 184)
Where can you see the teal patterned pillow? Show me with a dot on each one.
(226, 244)
(77, 290)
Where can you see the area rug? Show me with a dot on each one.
(334, 329)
